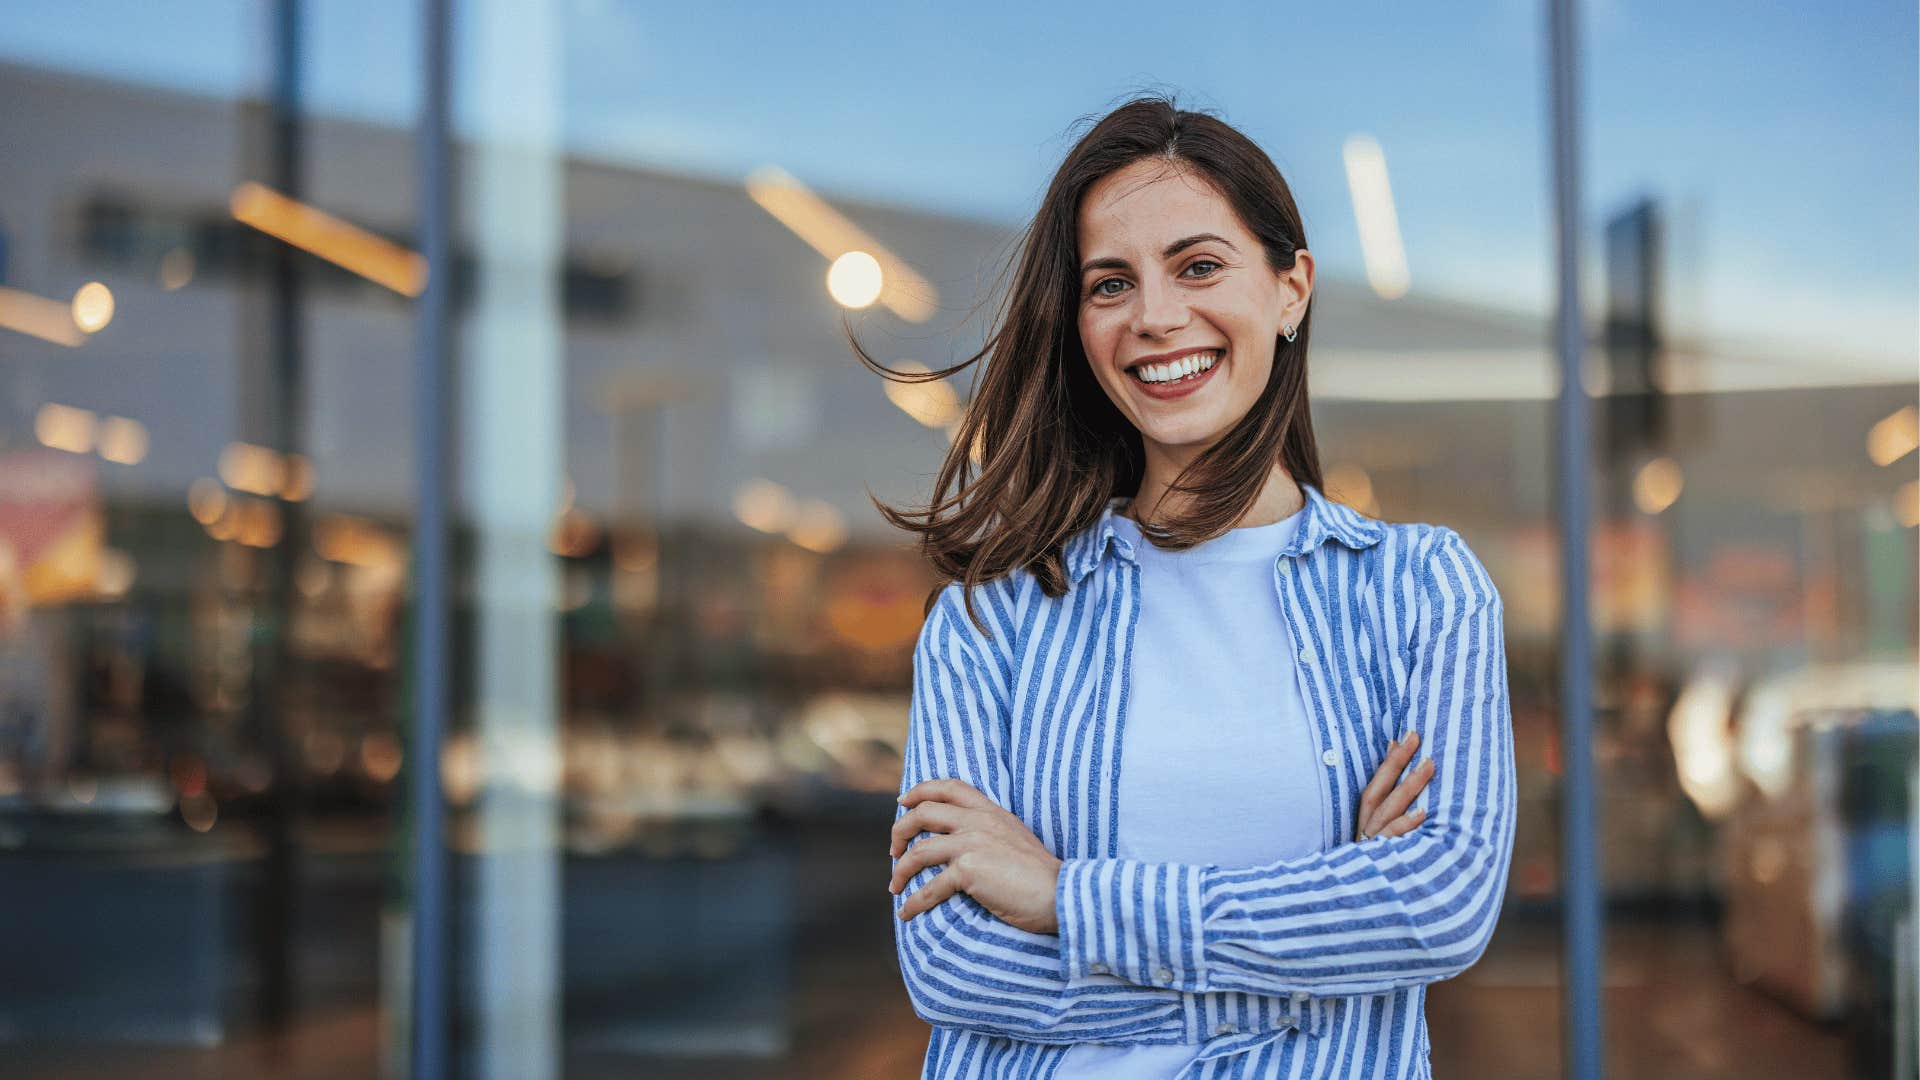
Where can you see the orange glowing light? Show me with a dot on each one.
(37, 316)
(338, 241)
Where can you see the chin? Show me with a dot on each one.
(1189, 434)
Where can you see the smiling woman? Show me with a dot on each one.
(1154, 822)
(1210, 293)
(1166, 237)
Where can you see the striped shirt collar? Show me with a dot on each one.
(1325, 519)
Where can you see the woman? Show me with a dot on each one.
(1134, 838)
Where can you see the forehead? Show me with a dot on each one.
(1150, 203)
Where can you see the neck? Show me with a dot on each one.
(1279, 496)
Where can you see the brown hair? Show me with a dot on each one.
(1052, 448)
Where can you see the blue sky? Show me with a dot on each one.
(1783, 136)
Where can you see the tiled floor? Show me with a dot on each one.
(1672, 1011)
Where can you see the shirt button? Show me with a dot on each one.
(1223, 1029)
(1330, 758)
(1306, 656)
(1164, 975)
(1097, 969)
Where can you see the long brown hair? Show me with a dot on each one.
(1053, 449)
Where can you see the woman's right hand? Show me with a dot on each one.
(1383, 805)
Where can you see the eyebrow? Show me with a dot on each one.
(1168, 252)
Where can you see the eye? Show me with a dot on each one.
(1204, 262)
(1100, 287)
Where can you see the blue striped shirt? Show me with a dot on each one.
(1313, 966)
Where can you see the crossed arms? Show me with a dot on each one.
(1136, 939)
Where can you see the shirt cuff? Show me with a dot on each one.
(1134, 920)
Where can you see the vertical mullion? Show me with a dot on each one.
(1580, 887)
(432, 617)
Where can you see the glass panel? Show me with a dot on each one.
(504, 757)
(683, 632)
(1754, 290)
(734, 621)
(203, 509)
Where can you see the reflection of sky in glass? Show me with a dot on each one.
(1789, 133)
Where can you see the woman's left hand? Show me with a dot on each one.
(988, 853)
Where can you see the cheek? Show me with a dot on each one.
(1089, 332)
(1098, 335)
(1095, 344)
(1255, 370)
(1254, 349)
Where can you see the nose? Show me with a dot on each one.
(1159, 312)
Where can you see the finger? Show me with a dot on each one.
(937, 817)
(1396, 760)
(932, 851)
(1403, 795)
(943, 885)
(1404, 824)
(957, 792)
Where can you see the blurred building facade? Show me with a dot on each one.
(207, 496)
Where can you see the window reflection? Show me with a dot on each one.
(203, 624)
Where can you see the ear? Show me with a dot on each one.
(1296, 287)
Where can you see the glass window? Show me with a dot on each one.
(204, 489)
(682, 634)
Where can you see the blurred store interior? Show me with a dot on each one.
(682, 651)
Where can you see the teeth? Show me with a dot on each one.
(1187, 367)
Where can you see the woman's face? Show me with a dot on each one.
(1169, 275)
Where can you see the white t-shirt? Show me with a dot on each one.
(1217, 764)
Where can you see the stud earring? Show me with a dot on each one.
(1288, 332)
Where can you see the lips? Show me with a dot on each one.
(1167, 358)
(1180, 386)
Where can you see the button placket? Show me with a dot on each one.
(1317, 728)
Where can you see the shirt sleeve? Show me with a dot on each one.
(963, 966)
(1362, 918)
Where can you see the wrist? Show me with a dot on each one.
(1053, 901)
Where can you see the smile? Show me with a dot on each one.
(1177, 377)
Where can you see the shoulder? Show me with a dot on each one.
(954, 649)
(1449, 570)
(1425, 562)
(984, 628)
